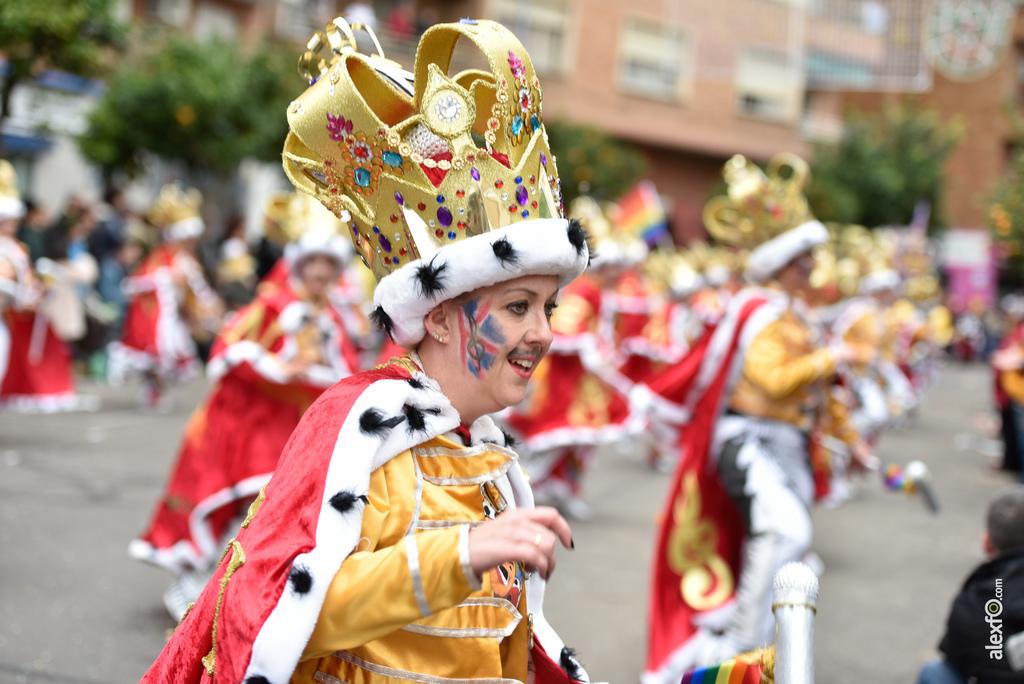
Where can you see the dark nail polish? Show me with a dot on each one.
(572, 543)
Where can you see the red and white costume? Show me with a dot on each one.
(233, 440)
(39, 372)
(156, 337)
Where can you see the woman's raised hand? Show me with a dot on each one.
(527, 535)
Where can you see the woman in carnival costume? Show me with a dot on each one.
(168, 297)
(397, 539)
(267, 366)
(36, 367)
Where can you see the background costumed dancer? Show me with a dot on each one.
(37, 373)
(751, 394)
(267, 366)
(168, 300)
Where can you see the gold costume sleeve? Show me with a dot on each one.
(771, 365)
(1013, 384)
(380, 589)
(838, 416)
(865, 335)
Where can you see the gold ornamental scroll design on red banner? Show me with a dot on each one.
(706, 580)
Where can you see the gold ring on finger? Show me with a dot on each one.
(538, 539)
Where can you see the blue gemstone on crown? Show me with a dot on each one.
(391, 158)
(362, 178)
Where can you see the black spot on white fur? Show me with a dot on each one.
(577, 236)
(510, 441)
(301, 579)
(257, 679)
(380, 318)
(373, 422)
(506, 253)
(570, 664)
(415, 416)
(343, 501)
(431, 278)
(416, 383)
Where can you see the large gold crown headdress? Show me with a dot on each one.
(305, 227)
(288, 215)
(417, 168)
(765, 212)
(176, 212)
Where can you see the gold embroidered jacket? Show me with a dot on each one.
(787, 376)
(372, 626)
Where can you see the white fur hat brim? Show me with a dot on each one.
(769, 258)
(337, 248)
(541, 247)
(185, 229)
(879, 281)
(11, 207)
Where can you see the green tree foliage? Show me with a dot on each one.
(885, 163)
(1006, 208)
(76, 36)
(205, 104)
(592, 162)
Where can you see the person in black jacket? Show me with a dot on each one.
(989, 610)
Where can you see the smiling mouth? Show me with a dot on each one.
(523, 366)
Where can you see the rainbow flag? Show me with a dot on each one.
(743, 669)
(640, 213)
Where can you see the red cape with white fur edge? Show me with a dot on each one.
(696, 391)
(263, 625)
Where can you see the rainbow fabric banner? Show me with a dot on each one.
(740, 670)
(640, 213)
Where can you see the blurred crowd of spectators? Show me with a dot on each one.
(102, 242)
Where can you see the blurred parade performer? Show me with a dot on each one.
(755, 391)
(169, 300)
(350, 295)
(571, 408)
(397, 539)
(268, 365)
(39, 375)
(864, 276)
(1009, 358)
(668, 336)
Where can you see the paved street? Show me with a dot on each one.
(76, 488)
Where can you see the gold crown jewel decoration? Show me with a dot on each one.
(288, 215)
(399, 163)
(174, 205)
(759, 205)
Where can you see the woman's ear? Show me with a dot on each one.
(437, 322)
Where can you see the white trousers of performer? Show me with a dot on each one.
(765, 468)
(873, 413)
